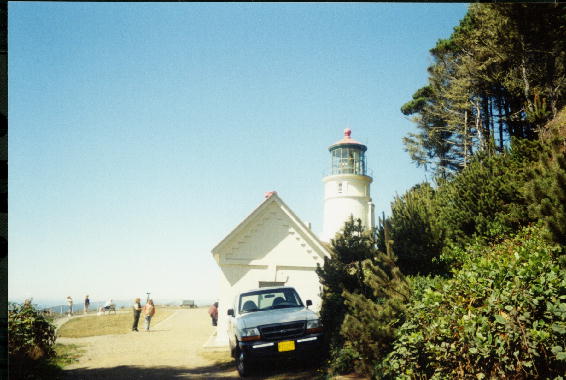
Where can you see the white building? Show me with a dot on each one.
(272, 246)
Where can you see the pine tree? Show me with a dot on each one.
(484, 200)
(376, 309)
(415, 230)
(548, 181)
(500, 75)
(342, 271)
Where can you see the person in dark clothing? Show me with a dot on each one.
(87, 303)
(137, 313)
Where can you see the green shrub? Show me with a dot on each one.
(502, 315)
(342, 359)
(31, 337)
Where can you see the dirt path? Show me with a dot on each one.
(173, 349)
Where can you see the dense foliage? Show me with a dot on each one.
(502, 315)
(548, 183)
(486, 199)
(416, 233)
(31, 338)
(375, 311)
(342, 271)
(363, 299)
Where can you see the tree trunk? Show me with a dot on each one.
(500, 121)
(478, 126)
(465, 138)
(524, 76)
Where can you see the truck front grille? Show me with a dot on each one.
(282, 330)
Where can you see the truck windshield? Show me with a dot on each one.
(269, 299)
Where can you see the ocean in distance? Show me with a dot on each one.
(61, 306)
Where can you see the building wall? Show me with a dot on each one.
(306, 281)
(268, 250)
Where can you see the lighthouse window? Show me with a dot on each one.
(348, 160)
(339, 187)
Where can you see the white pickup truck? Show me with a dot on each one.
(271, 323)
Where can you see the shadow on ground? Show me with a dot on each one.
(275, 371)
(218, 371)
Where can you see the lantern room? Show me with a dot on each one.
(348, 156)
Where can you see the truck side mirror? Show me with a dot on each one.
(309, 303)
(231, 312)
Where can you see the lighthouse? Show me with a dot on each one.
(347, 187)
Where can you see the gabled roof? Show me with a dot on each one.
(271, 198)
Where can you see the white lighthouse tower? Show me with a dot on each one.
(347, 188)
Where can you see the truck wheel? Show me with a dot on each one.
(242, 363)
(233, 349)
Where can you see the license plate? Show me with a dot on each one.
(288, 345)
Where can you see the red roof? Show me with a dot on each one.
(347, 140)
(268, 194)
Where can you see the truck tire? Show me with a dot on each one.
(233, 349)
(242, 363)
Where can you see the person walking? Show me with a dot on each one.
(149, 312)
(213, 312)
(87, 303)
(70, 305)
(137, 311)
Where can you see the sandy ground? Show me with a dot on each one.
(173, 349)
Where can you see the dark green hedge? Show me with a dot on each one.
(502, 315)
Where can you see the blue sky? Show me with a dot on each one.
(142, 134)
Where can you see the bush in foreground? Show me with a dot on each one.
(502, 315)
(31, 338)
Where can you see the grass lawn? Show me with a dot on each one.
(66, 354)
(119, 323)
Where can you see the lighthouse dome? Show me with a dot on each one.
(348, 142)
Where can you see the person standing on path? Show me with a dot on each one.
(213, 312)
(149, 311)
(137, 312)
(70, 305)
(87, 304)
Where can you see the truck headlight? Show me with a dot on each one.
(313, 326)
(250, 334)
